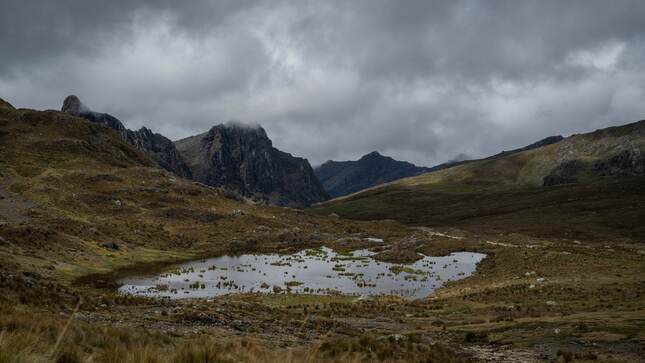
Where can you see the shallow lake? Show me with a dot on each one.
(314, 271)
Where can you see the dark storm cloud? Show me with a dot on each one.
(425, 81)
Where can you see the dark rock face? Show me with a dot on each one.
(109, 246)
(566, 173)
(626, 162)
(161, 149)
(623, 164)
(346, 177)
(243, 159)
(158, 147)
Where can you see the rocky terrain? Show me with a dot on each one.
(242, 158)
(160, 149)
(239, 158)
(346, 177)
(80, 208)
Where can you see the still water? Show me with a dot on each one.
(314, 271)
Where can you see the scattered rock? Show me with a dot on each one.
(395, 337)
(109, 246)
(362, 298)
(263, 229)
(334, 215)
(371, 323)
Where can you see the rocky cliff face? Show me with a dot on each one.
(616, 152)
(243, 159)
(346, 177)
(158, 147)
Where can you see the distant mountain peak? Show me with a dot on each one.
(73, 106)
(241, 157)
(234, 123)
(235, 126)
(375, 156)
(346, 177)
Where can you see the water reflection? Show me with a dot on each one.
(314, 271)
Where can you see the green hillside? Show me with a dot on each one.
(585, 186)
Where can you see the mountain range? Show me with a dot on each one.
(83, 206)
(582, 185)
(158, 147)
(346, 177)
(234, 156)
(242, 158)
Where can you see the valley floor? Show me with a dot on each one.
(80, 208)
(530, 300)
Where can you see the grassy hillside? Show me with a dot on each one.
(80, 208)
(598, 191)
(67, 186)
(529, 168)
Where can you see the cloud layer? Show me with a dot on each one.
(423, 81)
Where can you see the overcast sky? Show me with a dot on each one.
(423, 81)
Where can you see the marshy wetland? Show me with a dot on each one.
(313, 271)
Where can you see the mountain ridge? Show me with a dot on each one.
(346, 177)
(158, 147)
(583, 186)
(243, 159)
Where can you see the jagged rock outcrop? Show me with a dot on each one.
(158, 147)
(242, 158)
(614, 152)
(346, 177)
(625, 163)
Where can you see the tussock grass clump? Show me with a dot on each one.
(112, 346)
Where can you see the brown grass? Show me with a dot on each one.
(27, 338)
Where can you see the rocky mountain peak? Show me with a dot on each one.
(73, 106)
(346, 177)
(239, 128)
(242, 158)
(375, 155)
(158, 147)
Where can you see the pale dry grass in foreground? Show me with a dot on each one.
(27, 336)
